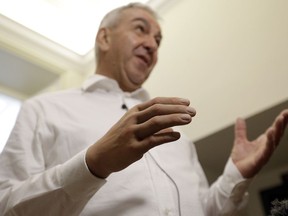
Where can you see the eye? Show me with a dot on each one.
(158, 40)
(140, 28)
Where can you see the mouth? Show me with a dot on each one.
(145, 59)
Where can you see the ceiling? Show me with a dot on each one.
(70, 23)
(39, 45)
(22, 73)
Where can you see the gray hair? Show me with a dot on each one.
(113, 18)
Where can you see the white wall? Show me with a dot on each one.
(228, 57)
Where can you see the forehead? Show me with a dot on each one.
(130, 15)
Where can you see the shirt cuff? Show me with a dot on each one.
(233, 183)
(77, 180)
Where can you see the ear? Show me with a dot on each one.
(103, 39)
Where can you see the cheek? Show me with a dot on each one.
(155, 60)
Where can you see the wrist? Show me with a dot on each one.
(94, 165)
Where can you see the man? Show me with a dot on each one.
(80, 152)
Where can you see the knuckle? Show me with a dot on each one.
(136, 108)
(156, 100)
(156, 108)
(156, 121)
(127, 131)
(150, 142)
(133, 117)
(134, 149)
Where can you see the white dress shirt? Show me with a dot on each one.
(43, 170)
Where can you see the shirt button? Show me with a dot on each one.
(168, 212)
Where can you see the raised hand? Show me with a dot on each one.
(143, 127)
(251, 156)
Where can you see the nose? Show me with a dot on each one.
(150, 44)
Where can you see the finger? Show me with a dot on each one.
(270, 133)
(280, 125)
(240, 129)
(268, 147)
(159, 139)
(166, 130)
(163, 100)
(278, 129)
(285, 116)
(158, 123)
(164, 109)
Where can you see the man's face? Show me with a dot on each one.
(134, 48)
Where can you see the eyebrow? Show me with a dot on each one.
(148, 24)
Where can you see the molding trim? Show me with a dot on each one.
(42, 51)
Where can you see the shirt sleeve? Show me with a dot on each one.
(27, 188)
(228, 194)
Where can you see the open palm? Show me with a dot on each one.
(251, 156)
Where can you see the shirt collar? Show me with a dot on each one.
(97, 81)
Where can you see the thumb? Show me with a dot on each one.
(240, 130)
